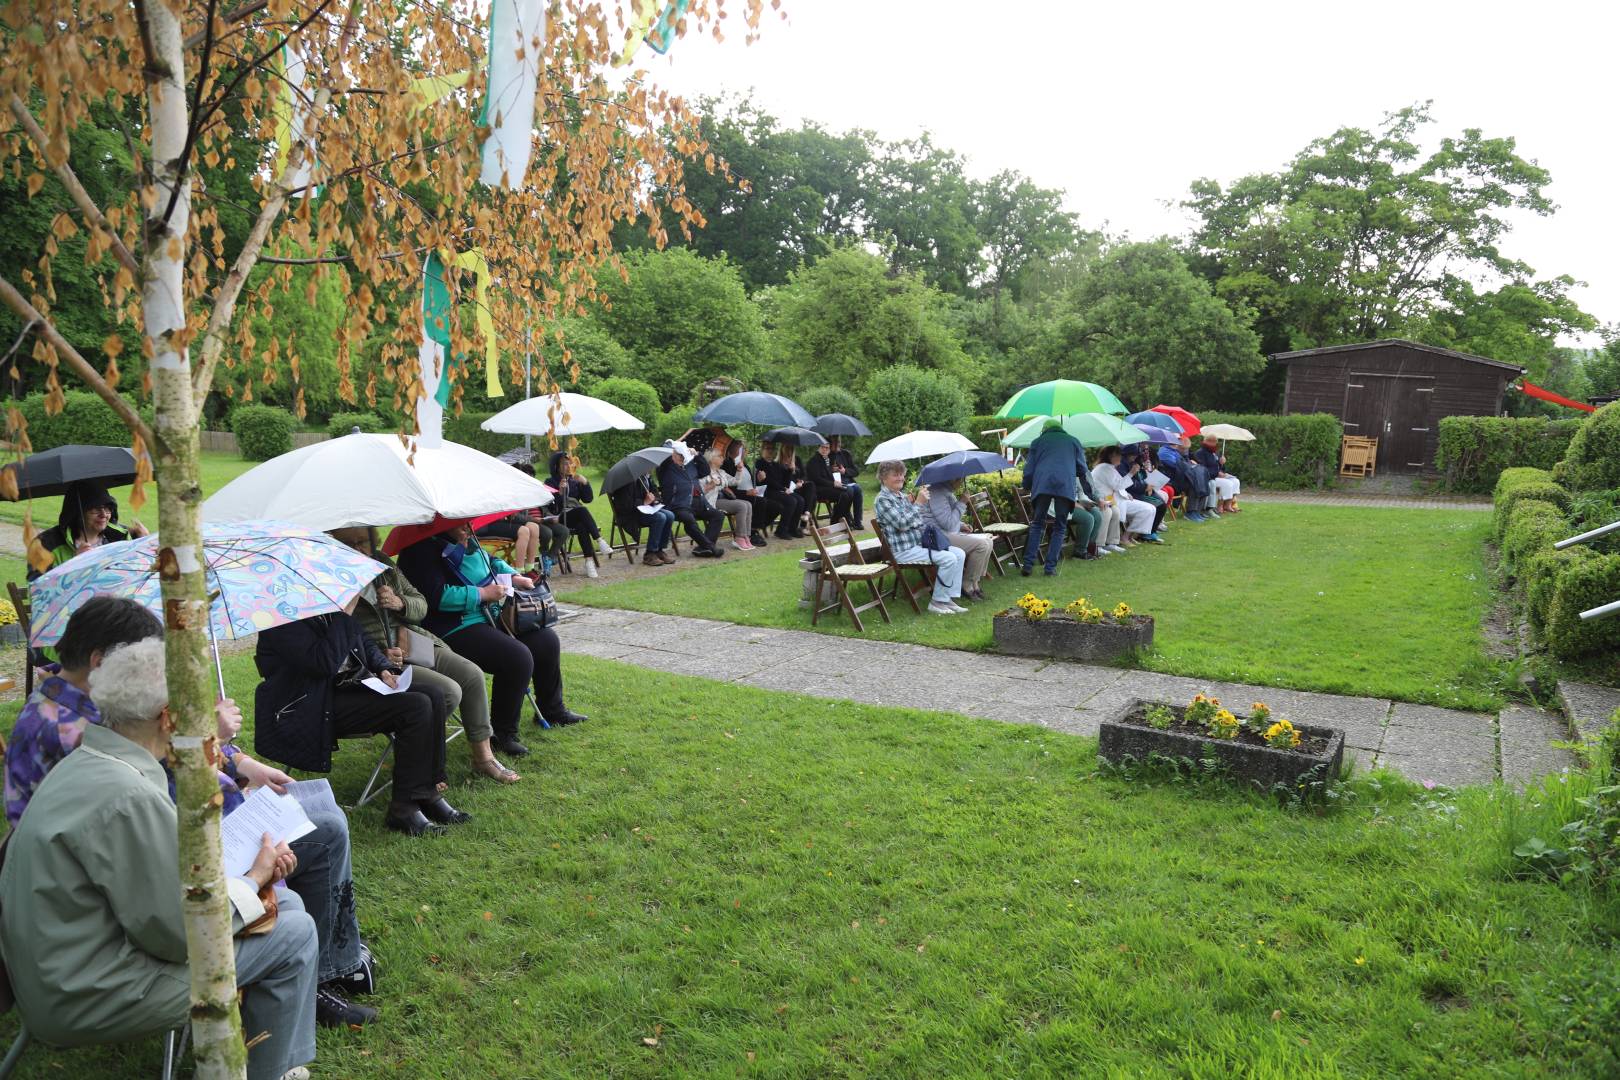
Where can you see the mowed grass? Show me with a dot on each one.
(712, 880)
(1386, 603)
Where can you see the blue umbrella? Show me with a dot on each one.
(1155, 419)
(1158, 436)
(754, 407)
(960, 463)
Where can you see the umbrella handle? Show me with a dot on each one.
(213, 643)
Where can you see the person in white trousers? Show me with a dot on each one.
(1130, 517)
(903, 524)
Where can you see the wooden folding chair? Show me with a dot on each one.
(19, 600)
(842, 577)
(926, 572)
(1007, 538)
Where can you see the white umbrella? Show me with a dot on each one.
(1228, 431)
(920, 444)
(368, 480)
(564, 414)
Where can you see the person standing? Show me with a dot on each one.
(1054, 460)
(944, 510)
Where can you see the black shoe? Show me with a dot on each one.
(719, 552)
(566, 717)
(509, 745)
(414, 823)
(706, 553)
(757, 539)
(442, 813)
(1026, 570)
(332, 1009)
(1051, 572)
(362, 981)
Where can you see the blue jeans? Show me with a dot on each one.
(324, 881)
(856, 507)
(659, 526)
(1059, 510)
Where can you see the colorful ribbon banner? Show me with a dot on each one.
(436, 312)
(517, 36)
(292, 113)
(654, 22)
(1557, 399)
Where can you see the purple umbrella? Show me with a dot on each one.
(1155, 420)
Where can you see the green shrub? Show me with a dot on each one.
(1003, 487)
(464, 429)
(638, 399)
(1532, 527)
(263, 431)
(1296, 450)
(1539, 574)
(976, 425)
(1518, 484)
(905, 398)
(1584, 583)
(344, 422)
(821, 400)
(671, 425)
(1474, 450)
(1593, 460)
(84, 419)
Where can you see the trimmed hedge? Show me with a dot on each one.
(671, 425)
(992, 443)
(821, 400)
(1002, 487)
(1539, 576)
(1296, 450)
(1475, 450)
(1519, 485)
(1581, 584)
(464, 429)
(263, 431)
(1532, 527)
(342, 423)
(636, 398)
(1593, 461)
(84, 419)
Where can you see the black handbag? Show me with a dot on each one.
(529, 609)
(934, 540)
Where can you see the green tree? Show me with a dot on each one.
(847, 316)
(682, 319)
(1602, 368)
(906, 398)
(1020, 225)
(1145, 326)
(291, 357)
(920, 210)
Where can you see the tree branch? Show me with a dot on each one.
(231, 17)
(79, 365)
(81, 198)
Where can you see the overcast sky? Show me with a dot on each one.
(1122, 105)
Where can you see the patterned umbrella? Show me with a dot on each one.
(265, 573)
(701, 438)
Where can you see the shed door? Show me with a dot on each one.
(1395, 411)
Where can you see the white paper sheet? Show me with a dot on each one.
(1157, 478)
(381, 687)
(650, 508)
(315, 796)
(263, 811)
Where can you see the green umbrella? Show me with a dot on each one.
(1092, 429)
(1061, 397)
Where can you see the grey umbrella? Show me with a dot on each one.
(632, 467)
(754, 407)
(797, 436)
(842, 425)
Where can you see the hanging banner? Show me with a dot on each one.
(653, 22)
(517, 37)
(435, 88)
(434, 358)
(292, 113)
(1535, 391)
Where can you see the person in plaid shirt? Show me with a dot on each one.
(903, 526)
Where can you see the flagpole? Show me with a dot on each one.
(528, 381)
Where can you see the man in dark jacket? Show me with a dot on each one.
(1054, 461)
(312, 695)
(826, 478)
(681, 484)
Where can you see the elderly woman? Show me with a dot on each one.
(740, 483)
(1131, 518)
(903, 523)
(88, 519)
(93, 935)
(390, 612)
(715, 488)
(1226, 487)
(459, 581)
(944, 510)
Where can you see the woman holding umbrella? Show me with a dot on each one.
(88, 519)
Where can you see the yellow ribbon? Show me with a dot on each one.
(641, 24)
(435, 88)
(474, 260)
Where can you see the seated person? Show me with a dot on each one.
(776, 469)
(944, 510)
(1227, 487)
(1185, 478)
(742, 484)
(844, 462)
(390, 612)
(457, 579)
(1135, 464)
(678, 479)
(1131, 518)
(660, 524)
(88, 519)
(312, 695)
(573, 492)
(522, 530)
(902, 523)
(715, 488)
(824, 482)
(93, 934)
(53, 722)
(1090, 520)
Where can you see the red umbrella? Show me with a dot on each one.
(1190, 424)
(403, 536)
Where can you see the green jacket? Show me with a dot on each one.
(382, 625)
(90, 920)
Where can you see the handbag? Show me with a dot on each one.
(529, 609)
(420, 652)
(934, 540)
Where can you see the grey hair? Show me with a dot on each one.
(129, 687)
(890, 468)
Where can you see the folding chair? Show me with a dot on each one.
(19, 600)
(174, 1048)
(926, 572)
(1006, 537)
(373, 788)
(841, 577)
(1026, 508)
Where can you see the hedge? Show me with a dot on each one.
(1520, 483)
(342, 423)
(1581, 584)
(1532, 527)
(1296, 450)
(820, 400)
(263, 431)
(671, 425)
(636, 398)
(1593, 460)
(1474, 450)
(1539, 577)
(977, 424)
(464, 429)
(1002, 487)
(84, 419)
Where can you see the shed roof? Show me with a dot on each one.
(1302, 354)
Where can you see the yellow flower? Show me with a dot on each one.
(1360, 960)
(1122, 611)
(1282, 735)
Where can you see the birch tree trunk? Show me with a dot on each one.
(215, 1023)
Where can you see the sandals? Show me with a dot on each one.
(494, 770)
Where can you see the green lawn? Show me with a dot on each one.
(1348, 600)
(218, 469)
(776, 886)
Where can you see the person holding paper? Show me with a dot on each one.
(824, 482)
(844, 462)
(1130, 517)
(742, 484)
(313, 694)
(1134, 465)
(678, 479)
(390, 612)
(776, 469)
(93, 934)
(944, 510)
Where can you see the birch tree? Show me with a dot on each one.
(360, 129)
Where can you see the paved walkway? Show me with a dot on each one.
(1421, 742)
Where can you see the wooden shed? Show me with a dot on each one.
(1396, 392)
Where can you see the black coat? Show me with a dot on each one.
(292, 707)
(819, 472)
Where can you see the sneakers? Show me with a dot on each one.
(741, 543)
(757, 539)
(937, 608)
(332, 1009)
(1102, 550)
(1113, 549)
(361, 982)
(1152, 538)
(958, 608)
(297, 1072)
(590, 568)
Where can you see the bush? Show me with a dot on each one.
(342, 423)
(905, 398)
(1519, 484)
(84, 419)
(638, 399)
(1474, 450)
(464, 429)
(1539, 578)
(1593, 460)
(1296, 450)
(263, 431)
(1532, 527)
(821, 400)
(1584, 583)
(977, 424)
(1003, 487)
(672, 425)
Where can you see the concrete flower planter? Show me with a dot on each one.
(11, 634)
(1247, 758)
(1064, 637)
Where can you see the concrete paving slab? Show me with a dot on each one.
(1441, 756)
(1588, 705)
(1431, 718)
(603, 650)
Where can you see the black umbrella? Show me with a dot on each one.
(842, 425)
(517, 456)
(753, 407)
(632, 467)
(796, 436)
(51, 471)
